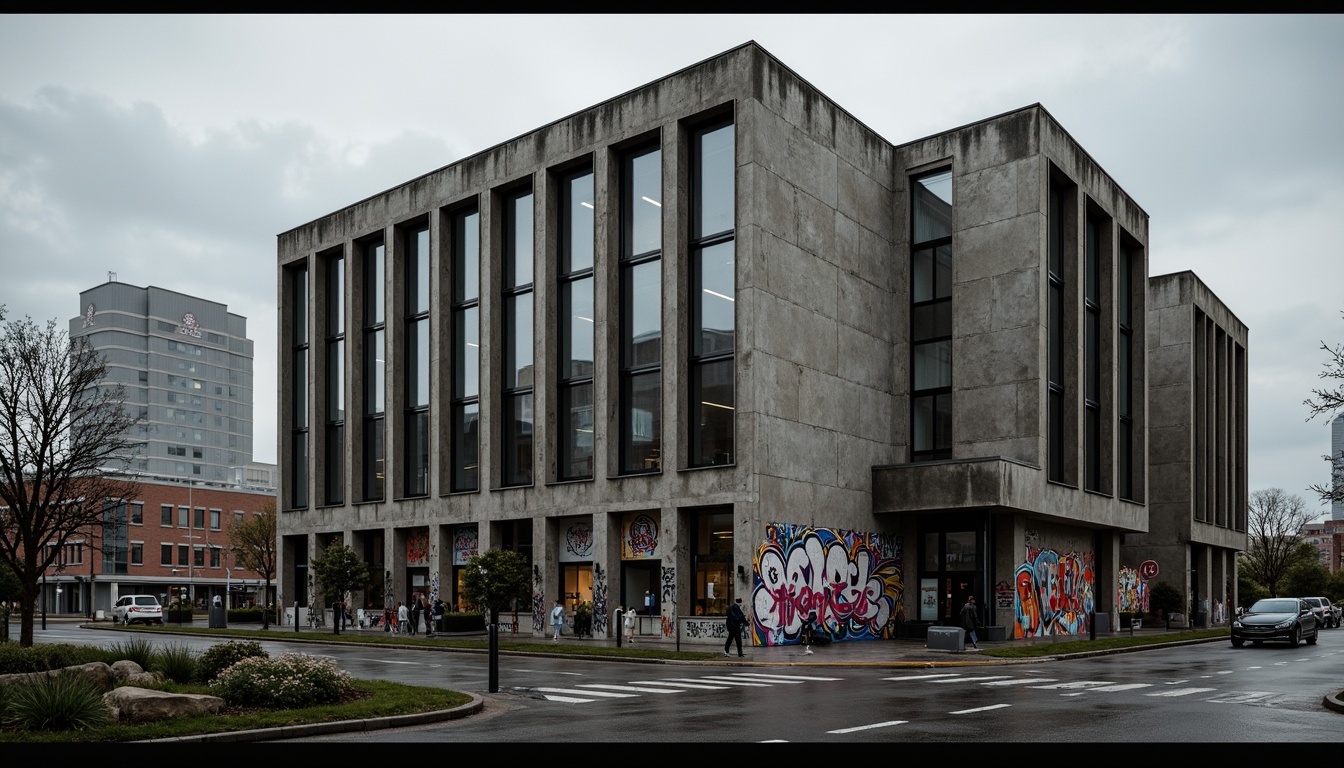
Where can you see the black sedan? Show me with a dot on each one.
(1276, 618)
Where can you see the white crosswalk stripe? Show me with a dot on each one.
(635, 688)
(1243, 697)
(971, 679)
(1023, 681)
(681, 685)
(733, 681)
(581, 692)
(1074, 685)
(761, 679)
(764, 676)
(1181, 692)
(1123, 687)
(921, 677)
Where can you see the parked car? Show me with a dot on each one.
(130, 609)
(1327, 615)
(1276, 618)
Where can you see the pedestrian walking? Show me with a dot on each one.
(736, 621)
(403, 617)
(970, 621)
(557, 619)
(628, 625)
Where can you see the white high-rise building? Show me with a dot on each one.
(186, 365)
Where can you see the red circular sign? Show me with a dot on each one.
(1148, 569)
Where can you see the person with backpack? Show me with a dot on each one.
(736, 621)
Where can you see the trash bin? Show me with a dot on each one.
(945, 639)
(219, 617)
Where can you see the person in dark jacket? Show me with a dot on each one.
(970, 621)
(737, 620)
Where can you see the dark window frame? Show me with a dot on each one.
(333, 484)
(572, 383)
(701, 363)
(931, 329)
(632, 367)
(517, 451)
(373, 451)
(416, 441)
(465, 475)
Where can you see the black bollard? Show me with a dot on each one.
(493, 631)
(620, 627)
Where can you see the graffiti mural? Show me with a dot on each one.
(417, 547)
(1132, 594)
(578, 542)
(851, 581)
(387, 590)
(465, 542)
(1053, 593)
(538, 601)
(599, 601)
(641, 537)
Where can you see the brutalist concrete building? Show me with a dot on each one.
(715, 338)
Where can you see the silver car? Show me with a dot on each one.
(1327, 615)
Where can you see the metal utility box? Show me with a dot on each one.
(219, 617)
(946, 639)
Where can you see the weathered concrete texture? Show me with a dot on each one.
(129, 704)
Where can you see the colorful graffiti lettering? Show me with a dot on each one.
(1132, 593)
(850, 580)
(1053, 593)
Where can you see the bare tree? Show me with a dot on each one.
(253, 541)
(1328, 402)
(61, 430)
(1275, 533)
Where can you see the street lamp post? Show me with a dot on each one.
(492, 633)
(171, 600)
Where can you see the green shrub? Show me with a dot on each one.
(288, 681)
(244, 616)
(136, 649)
(56, 703)
(176, 661)
(221, 656)
(40, 658)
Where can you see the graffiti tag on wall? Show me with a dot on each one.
(641, 537)
(599, 600)
(1053, 593)
(1132, 593)
(578, 542)
(850, 582)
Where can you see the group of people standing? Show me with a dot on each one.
(407, 619)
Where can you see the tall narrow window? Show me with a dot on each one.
(1124, 360)
(374, 396)
(641, 311)
(517, 337)
(466, 234)
(1092, 354)
(575, 274)
(1056, 301)
(334, 485)
(931, 317)
(713, 294)
(415, 422)
(298, 320)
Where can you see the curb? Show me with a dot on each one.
(1334, 701)
(337, 726)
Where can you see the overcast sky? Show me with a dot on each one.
(172, 150)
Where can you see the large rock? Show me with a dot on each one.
(129, 704)
(95, 672)
(128, 672)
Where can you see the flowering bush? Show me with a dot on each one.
(288, 681)
(221, 656)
